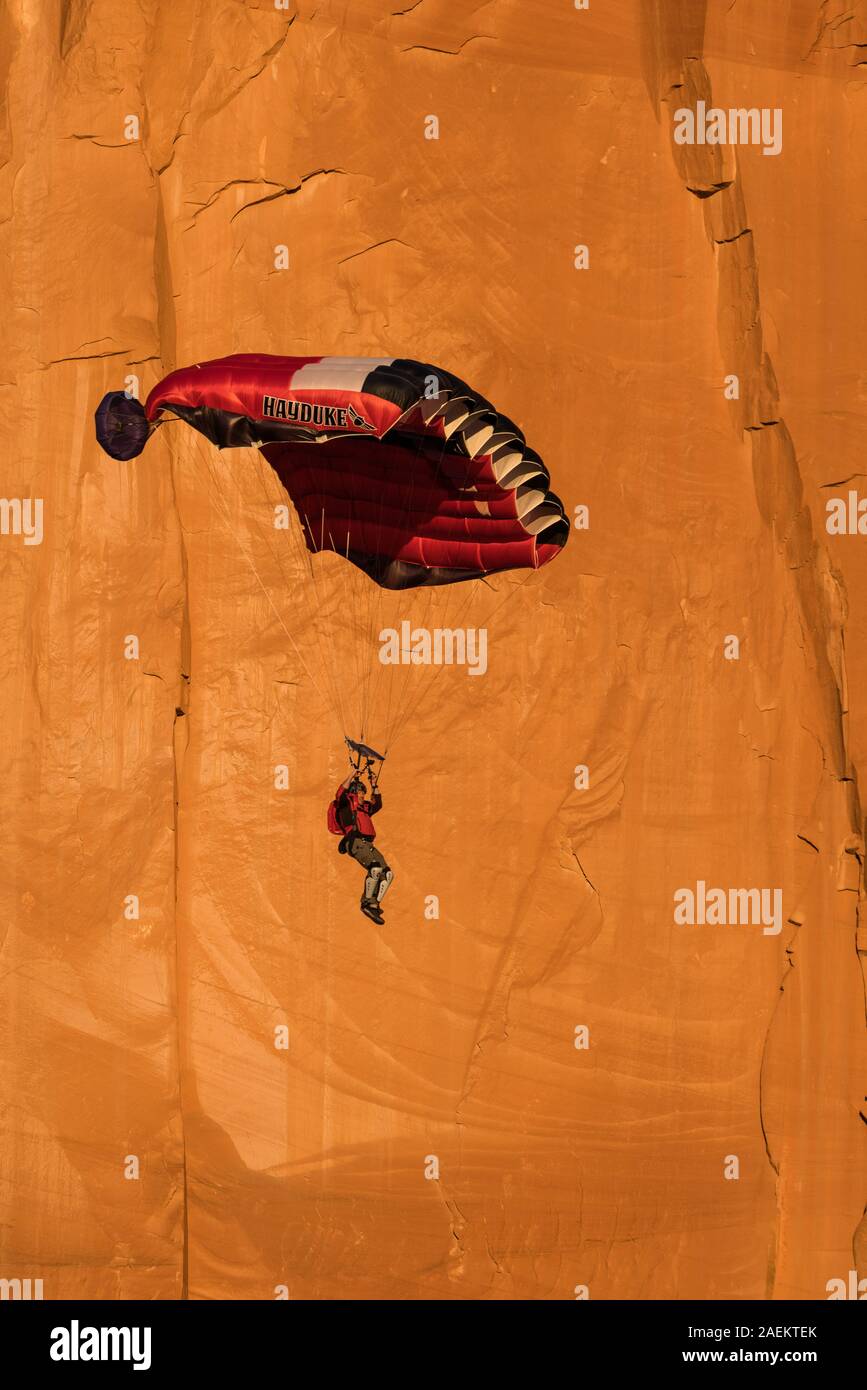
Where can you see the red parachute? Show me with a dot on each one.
(395, 464)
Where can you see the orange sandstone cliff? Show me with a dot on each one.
(547, 1083)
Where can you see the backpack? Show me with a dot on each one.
(334, 821)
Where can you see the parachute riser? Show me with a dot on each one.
(362, 759)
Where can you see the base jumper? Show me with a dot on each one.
(351, 815)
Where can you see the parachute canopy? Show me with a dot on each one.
(395, 464)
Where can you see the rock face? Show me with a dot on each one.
(535, 1079)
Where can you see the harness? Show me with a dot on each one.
(362, 760)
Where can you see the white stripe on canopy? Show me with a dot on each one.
(337, 373)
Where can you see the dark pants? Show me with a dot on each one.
(365, 852)
(368, 856)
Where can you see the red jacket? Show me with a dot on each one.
(353, 812)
